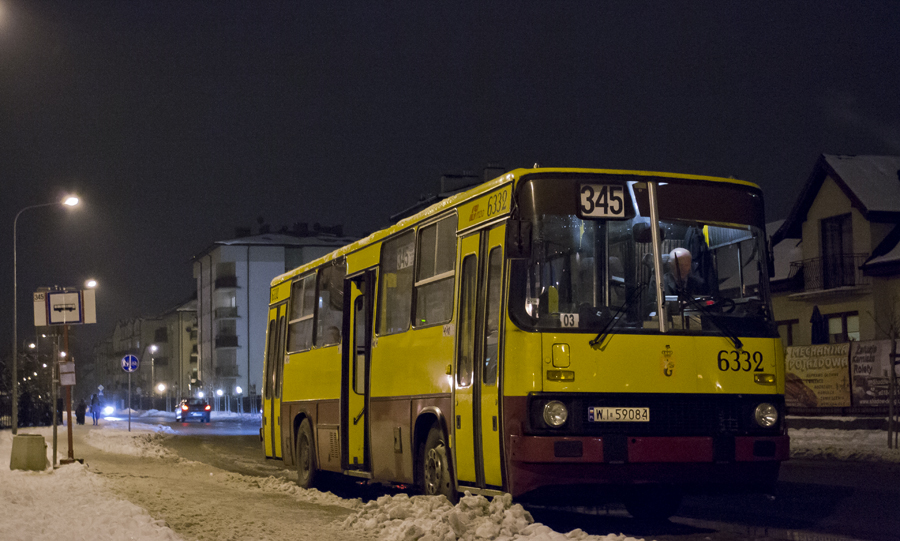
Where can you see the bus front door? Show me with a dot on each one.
(356, 356)
(274, 368)
(477, 413)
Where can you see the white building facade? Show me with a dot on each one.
(233, 279)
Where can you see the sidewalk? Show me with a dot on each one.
(839, 423)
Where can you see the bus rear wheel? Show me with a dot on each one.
(654, 503)
(306, 456)
(435, 466)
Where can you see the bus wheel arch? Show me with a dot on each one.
(305, 453)
(434, 469)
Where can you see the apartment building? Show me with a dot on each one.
(233, 278)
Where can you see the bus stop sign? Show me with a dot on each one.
(130, 363)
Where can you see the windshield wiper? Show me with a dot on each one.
(731, 335)
(598, 340)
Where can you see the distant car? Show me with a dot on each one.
(193, 408)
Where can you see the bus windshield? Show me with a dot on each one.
(589, 275)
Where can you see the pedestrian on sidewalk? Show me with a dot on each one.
(95, 409)
(80, 409)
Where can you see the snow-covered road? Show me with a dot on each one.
(131, 486)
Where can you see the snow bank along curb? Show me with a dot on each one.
(853, 445)
(144, 440)
(433, 518)
(69, 503)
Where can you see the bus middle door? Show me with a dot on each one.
(274, 369)
(358, 292)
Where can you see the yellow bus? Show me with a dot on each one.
(554, 328)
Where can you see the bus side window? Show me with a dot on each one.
(278, 357)
(300, 325)
(269, 388)
(395, 295)
(331, 305)
(467, 304)
(492, 328)
(434, 276)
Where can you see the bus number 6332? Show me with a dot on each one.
(740, 361)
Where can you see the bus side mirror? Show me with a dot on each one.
(518, 239)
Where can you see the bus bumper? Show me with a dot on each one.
(701, 463)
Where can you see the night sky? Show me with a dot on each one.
(178, 121)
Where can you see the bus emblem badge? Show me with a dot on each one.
(668, 363)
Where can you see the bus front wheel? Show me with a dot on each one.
(306, 456)
(435, 466)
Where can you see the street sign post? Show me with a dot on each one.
(130, 363)
(61, 307)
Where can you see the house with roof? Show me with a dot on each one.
(836, 286)
(842, 245)
(233, 278)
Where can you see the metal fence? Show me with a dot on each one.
(823, 273)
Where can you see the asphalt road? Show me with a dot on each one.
(815, 500)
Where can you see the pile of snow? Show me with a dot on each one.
(433, 518)
(828, 444)
(68, 503)
(143, 440)
(270, 484)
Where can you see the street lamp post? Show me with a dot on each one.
(70, 201)
(161, 388)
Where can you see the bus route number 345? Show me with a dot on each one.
(602, 201)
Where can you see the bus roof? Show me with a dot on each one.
(477, 191)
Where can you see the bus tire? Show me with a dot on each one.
(306, 456)
(435, 466)
(652, 503)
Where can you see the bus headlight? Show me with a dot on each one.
(555, 413)
(765, 415)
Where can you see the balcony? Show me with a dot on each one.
(226, 341)
(227, 371)
(828, 275)
(226, 282)
(227, 312)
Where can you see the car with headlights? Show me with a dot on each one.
(193, 408)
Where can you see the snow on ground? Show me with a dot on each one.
(433, 518)
(74, 503)
(68, 503)
(855, 445)
(143, 440)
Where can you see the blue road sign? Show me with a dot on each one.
(130, 363)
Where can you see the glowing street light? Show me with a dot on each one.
(69, 201)
(90, 284)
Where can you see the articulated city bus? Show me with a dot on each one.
(609, 331)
